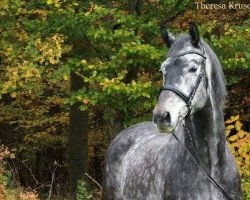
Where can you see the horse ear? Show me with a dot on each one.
(194, 34)
(168, 38)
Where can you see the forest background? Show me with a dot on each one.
(74, 73)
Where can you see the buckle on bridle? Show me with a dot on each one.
(185, 113)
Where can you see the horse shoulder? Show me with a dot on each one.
(126, 138)
(116, 152)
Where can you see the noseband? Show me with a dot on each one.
(188, 99)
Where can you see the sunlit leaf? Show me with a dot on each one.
(232, 119)
(241, 133)
(233, 138)
(227, 132)
(229, 127)
(238, 125)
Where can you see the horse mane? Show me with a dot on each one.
(218, 83)
(217, 75)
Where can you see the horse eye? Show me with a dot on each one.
(193, 69)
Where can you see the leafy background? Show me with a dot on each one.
(115, 50)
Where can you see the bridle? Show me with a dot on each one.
(199, 163)
(188, 100)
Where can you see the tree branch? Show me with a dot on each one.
(94, 181)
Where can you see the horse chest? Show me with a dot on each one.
(162, 177)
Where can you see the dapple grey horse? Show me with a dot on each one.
(182, 154)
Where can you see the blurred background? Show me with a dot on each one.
(74, 73)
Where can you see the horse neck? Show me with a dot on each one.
(207, 129)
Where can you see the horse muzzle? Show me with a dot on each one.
(163, 122)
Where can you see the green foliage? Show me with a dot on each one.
(119, 60)
(34, 81)
(7, 190)
(233, 46)
(228, 37)
(117, 54)
(82, 192)
(5, 175)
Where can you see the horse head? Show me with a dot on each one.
(184, 88)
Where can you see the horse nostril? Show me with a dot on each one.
(167, 118)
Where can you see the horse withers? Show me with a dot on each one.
(192, 161)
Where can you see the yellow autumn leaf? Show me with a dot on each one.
(238, 125)
(84, 61)
(234, 145)
(13, 94)
(244, 155)
(232, 119)
(65, 77)
(233, 138)
(240, 150)
(78, 97)
(241, 133)
(229, 127)
(238, 162)
(247, 160)
(49, 2)
(133, 83)
(28, 74)
(57, 4)
(227, 132)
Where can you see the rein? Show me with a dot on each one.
(188, 101)
(199, 163)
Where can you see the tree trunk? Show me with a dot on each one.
(78, 138)
(135, 6)
(117, 127)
